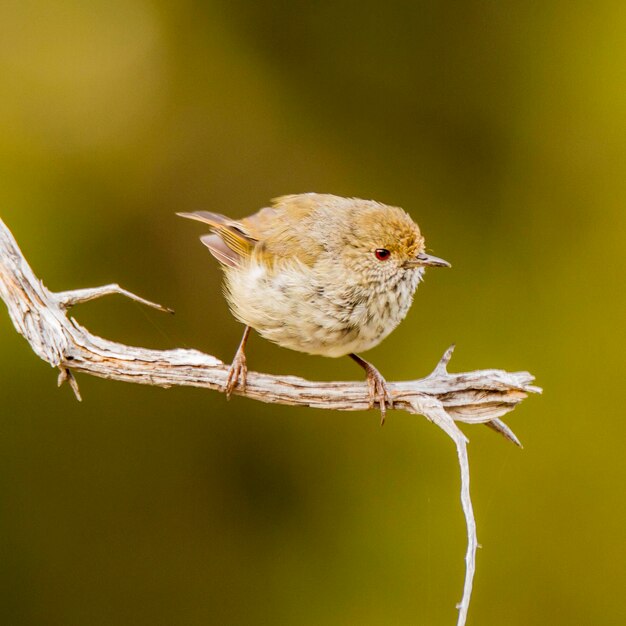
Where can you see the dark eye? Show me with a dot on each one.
(382, 254)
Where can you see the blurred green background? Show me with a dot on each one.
(501, 127)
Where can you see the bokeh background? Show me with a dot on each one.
(500, 126)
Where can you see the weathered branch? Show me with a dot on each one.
(40, 315)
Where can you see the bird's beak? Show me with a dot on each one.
(422, 260)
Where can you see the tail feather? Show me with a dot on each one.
(234, 244)
(220, 250)
(214, 219)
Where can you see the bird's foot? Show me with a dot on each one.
(378, 391)
(237, 374)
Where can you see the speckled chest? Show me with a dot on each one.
(296, 309)
(377, 311)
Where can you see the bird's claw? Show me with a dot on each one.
(237, 374)
(378, 392)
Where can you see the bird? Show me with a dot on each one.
(320, 274)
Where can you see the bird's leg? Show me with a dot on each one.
(238, 370)
(378, 391)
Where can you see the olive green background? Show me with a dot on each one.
(500, 126)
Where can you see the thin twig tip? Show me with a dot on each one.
(442, 366)
(65, 375)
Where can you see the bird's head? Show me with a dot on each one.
(382, 244)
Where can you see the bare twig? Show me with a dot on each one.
(78, 296)
(478, 397)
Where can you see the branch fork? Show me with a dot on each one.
(41, 316)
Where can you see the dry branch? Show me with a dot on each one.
(481, 396)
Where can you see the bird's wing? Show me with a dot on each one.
(283, 229)
(230, 243)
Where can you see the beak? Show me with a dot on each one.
(422, 260)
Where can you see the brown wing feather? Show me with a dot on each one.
(284, 228)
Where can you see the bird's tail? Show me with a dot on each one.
(229, 243)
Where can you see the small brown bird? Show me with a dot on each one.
(319, 274)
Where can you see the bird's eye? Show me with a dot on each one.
(382, 254)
